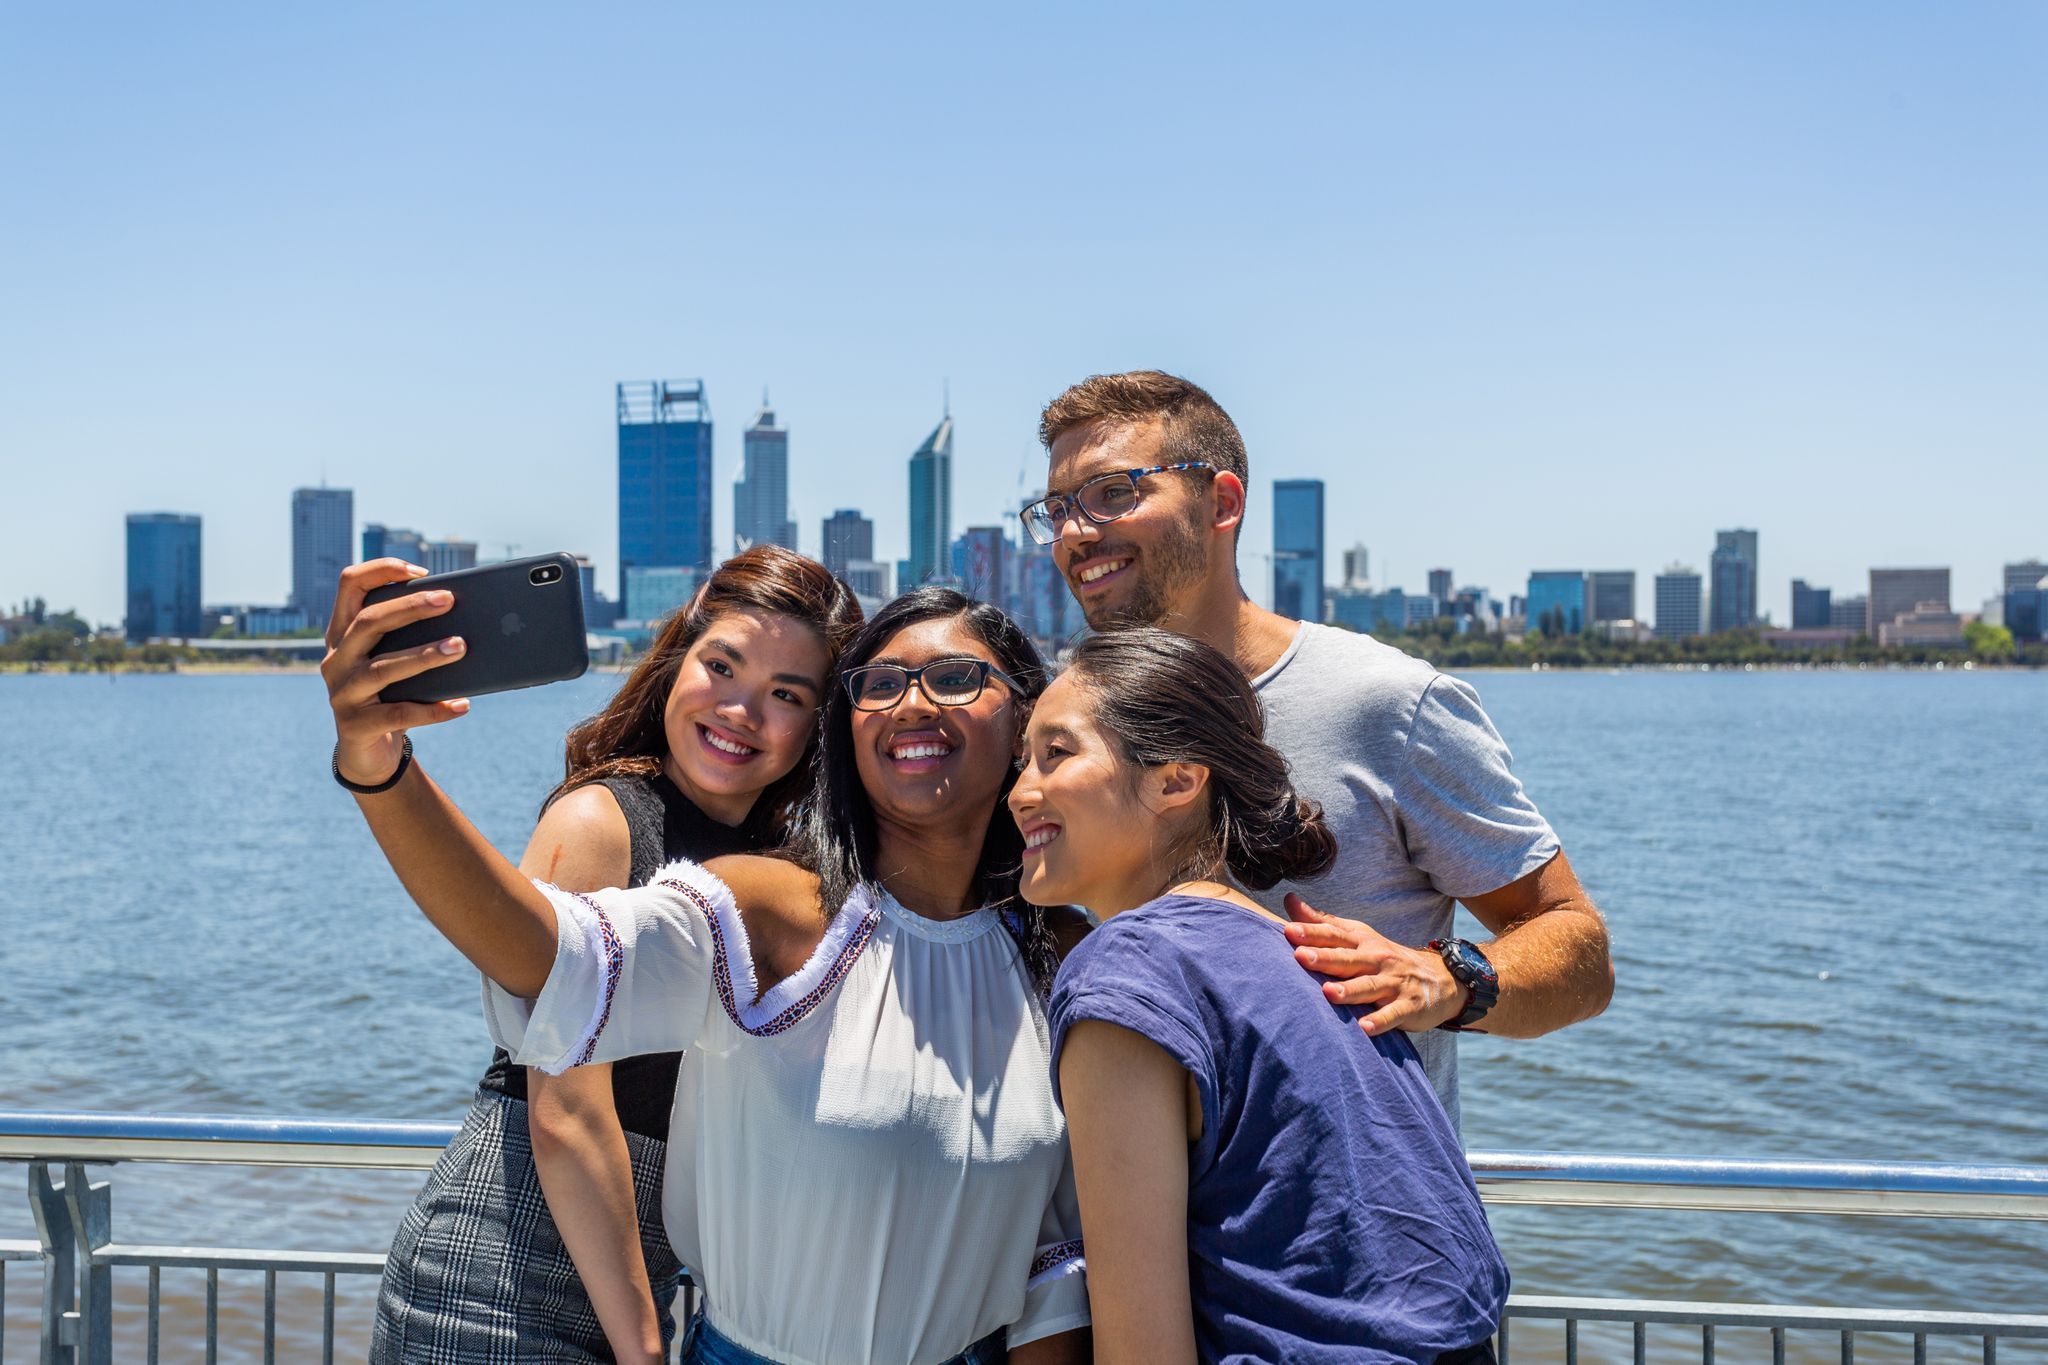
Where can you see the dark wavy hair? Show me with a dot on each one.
(1158, 697)
(834, 836)
(630, 737)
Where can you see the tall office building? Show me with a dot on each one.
(931, 508)
(1440, 587)
(983, 564)
(1298, 548)
(1849, 613)
(446, 556)
(2027, 573)
(1734, 577)
(760, 500)
(1044, 606)
(664, 476)
(1897, 592)
(1557, 602)
(380, 540)
(1679, 608)
(1612, 594)
(163, 576)
(1812, 608)
(847, 536)
(323, 533)
(1357, 568)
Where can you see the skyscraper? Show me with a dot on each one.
(163, 576)
(1734, 570)
(664, 476)
(1849, 613)
(323, 529)
(1298, 548)
(1440, 588)
(847, 536)
(760, 500)
(2025, 574)
(1895, 592)
(1044, 605)
(931, 507)
(1678, 603)
(1357, 573)
(446, 556)
(380, 540)
(986, 561)
(1557, 602)
(1812, 608)
(1613, 594)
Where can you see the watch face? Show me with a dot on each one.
(1471, 962)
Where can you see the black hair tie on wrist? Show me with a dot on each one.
(404, 762)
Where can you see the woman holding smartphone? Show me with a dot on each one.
(1260, 1180)
(865, 1161)
(701, 752)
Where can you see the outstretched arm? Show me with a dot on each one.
(1128, 1123)
(477, 899)
(1549, 950)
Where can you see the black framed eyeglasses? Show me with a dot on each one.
(1101, 499)
(944, 682)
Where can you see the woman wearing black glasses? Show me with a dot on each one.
(865, 1160)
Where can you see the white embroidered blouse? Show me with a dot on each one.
(865, 1163)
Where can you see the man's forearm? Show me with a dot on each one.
(1553, 969)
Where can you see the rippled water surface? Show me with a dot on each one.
(1825, 890)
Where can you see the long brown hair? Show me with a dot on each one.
(629, 737)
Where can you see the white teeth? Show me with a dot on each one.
(1039, 838)
(726, 746)
(1095, 571)
(921, 751)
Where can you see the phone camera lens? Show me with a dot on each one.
(546, 573)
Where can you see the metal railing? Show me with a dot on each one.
(78, 1254)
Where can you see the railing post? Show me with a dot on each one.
(92, 1227)
(60, 1265)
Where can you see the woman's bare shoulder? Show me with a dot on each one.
(581, 842)
(770, 888)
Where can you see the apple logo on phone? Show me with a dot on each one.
(511, 624)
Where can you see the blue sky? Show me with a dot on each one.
(1569, 285)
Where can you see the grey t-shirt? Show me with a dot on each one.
(1415, 783)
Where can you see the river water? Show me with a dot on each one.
(1825, 891)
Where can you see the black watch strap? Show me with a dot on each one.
(1470, 969)
(404, 762)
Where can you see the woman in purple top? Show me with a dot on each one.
(1259, 1179)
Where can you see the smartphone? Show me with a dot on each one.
(522, 621)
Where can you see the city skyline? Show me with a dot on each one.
(1571, 288)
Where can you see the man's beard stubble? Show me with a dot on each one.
(1177, 560)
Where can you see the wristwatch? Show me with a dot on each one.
(1469, 967)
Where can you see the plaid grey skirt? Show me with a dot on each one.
(478, 1274)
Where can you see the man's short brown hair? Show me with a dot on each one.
(1195, 425)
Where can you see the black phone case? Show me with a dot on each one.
(519, 633)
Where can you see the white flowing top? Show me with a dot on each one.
(865, 1163)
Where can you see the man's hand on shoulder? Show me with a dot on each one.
(1406, 988)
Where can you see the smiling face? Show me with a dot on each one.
(741, 710)
(1145, 565)
(923, 764)
(1098, 830)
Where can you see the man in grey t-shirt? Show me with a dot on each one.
(1146, 495)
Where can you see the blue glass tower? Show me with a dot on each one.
(1733, 573)
(163, 575)
(1298, 548)
(760, 500)
(1557, 602)
(931, 508)
(664, 476)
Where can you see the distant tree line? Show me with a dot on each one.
(1439, 642)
